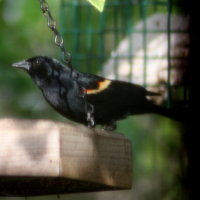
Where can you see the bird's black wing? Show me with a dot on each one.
(101, 89)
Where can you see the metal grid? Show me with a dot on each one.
(95, 41)
(93, 38)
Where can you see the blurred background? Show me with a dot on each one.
(142, 41)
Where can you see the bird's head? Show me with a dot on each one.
(40, 68)
(40, 65)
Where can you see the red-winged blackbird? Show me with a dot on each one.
(89, 99)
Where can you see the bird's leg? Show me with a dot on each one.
(111, 126)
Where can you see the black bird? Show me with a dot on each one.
(86, 98)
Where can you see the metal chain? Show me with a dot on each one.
(66, 56)
(89, 114)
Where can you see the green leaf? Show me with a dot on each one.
(99, 4)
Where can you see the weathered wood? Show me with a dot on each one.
(45, 157)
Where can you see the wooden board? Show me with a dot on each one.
(47, 157)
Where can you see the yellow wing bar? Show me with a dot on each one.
(102, 85)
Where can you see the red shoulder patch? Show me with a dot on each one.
(102, 85)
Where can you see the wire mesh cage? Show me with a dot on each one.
(143, 41)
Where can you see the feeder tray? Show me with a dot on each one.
(39, 157)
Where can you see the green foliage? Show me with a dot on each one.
(23, 34)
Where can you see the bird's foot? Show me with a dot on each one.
(110, 127)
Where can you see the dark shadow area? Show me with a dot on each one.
(34, 186)
(190, 133)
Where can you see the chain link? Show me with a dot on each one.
(89, 108)
(66, 56)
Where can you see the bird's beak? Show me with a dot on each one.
(22, 65)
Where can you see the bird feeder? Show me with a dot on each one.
(39, 157)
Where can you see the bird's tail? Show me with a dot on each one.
(181, 115)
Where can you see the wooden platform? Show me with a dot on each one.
(40, 157)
